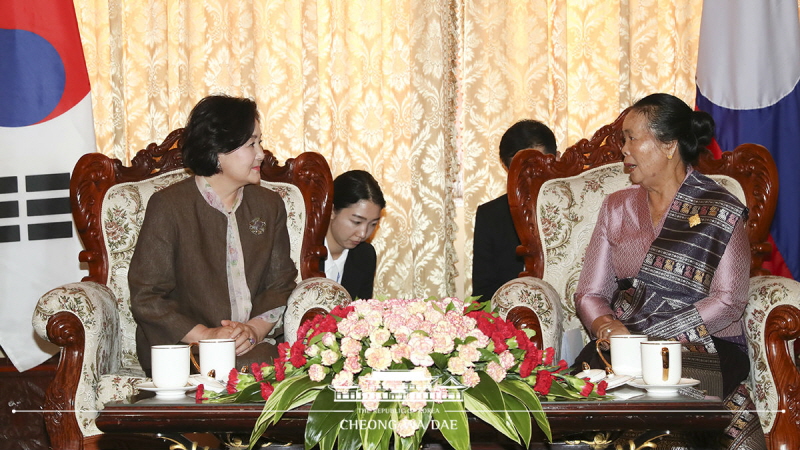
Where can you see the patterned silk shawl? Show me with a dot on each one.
(678, 268)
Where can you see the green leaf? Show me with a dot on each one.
(439, 360)
(452, 413)
(287, 393)
(486, 402)
(349, 436)
(327, 441)
(325, 417)
(520, 417)
(523, 392)
(294, 389)
(376, 433)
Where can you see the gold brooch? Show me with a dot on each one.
(257, 226)
(694, 220)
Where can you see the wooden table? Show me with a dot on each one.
(642, 413)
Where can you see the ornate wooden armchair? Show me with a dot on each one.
(91, 319)
(555, 204)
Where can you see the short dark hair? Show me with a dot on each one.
(353, 186)
(671, 119)
(524, 134)
(217, 124)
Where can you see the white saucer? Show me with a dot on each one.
(597, 375)
(165, 392)
(617, 380)
(663, 391)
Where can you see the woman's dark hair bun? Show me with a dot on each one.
(703, 127)
(671, 119)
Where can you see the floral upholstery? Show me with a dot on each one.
(567, 209)
(110, 367)
(765, 294)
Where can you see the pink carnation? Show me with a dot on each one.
(442, 343)
(405, 427)
(469, 352)
(328, 339)
(496, 371)
(316, 372)
(379, 337)
(342, 381)
(415, 401)
(368, 384)
(350, 346)
(400, 351)
(470, 378)
(352, 364)
(329, 357)
(457, 365)
(507, 360)
(378, 358)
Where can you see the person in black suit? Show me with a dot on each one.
(494, 250)
(357, 206)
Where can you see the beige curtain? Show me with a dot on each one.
(416, 92)
(572, 65)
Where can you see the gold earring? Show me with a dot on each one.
(669, 156)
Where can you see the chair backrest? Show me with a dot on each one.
(555, 203)
(109, 202)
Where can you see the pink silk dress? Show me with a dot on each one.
(621, 239)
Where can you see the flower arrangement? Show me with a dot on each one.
(403, 366)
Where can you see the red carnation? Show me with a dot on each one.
(544, 380)
(266, 390)
(499, 344)
(233, 380)
(523, 341)
(298, 359)
(587, 389)
(280, 369)
(535, 354)
(601, 387)
(342, 312)
(256, 369)
(549, 353)
(527, 366)
(284, 350)
(198, 396)
(562, 366)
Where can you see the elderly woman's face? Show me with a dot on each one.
(243, 165)
(645, 156)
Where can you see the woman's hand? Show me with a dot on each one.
(606, 326)
(245, 335)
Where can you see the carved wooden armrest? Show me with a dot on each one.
(310, 297)
(82, 319)
(772, 322)
(532, 303)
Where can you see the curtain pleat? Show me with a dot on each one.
(416, 92)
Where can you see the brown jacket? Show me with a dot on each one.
(177, 275)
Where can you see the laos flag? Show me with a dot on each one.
(45, 126)
(748, 70)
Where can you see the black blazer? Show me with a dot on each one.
(359, 271)
(494, 248)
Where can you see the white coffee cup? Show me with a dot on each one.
(661, 362)
(218, 355)
(170, 365)
(626, 356)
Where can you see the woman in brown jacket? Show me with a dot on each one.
(212, 259)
